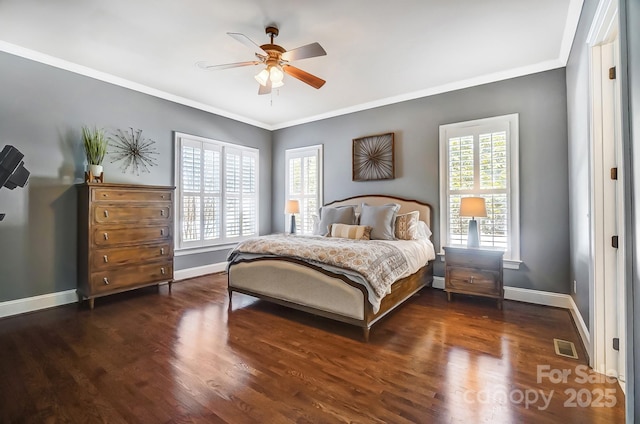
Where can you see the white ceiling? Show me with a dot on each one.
(378, 52)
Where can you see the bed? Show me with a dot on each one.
(327, 289)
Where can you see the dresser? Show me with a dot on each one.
(125, 238)
(476, 272)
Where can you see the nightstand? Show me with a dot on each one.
(476, 272)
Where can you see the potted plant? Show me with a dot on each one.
(95, 148)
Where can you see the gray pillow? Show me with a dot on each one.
(335, 215)
(381, 219)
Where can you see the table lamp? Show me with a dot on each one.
(292, 207)
(473, 207)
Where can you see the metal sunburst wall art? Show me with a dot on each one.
(373, 158)
(136, 152)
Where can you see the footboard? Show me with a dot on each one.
(311, 289)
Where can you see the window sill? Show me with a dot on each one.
(506, 263)
(203, 249)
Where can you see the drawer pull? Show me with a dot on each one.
(106, 236)
(163, 196)
(106, 260)
(106, 214)
(106, 280)
(162, 250)
(105, 195)
(162, 212)
(471, 279)
(162, 231)
(162, 271)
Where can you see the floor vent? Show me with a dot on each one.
(565, 348)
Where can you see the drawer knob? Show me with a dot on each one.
(105, 259)
(106, 236)
(162, 271)
(105, 195)
(106, 214)
(106, 280)
(162, 250)
(163, 196)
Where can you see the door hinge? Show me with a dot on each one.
(616, 343)
(612, 73)
(614, 242)
(614, 173)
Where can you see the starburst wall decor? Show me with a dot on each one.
(136, 152)
(373, 158)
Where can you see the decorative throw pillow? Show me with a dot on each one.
(335, 215)
(381, 219)
(354, 232)
(423, 230)
(407, 225)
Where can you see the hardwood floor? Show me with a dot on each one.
(183, 357)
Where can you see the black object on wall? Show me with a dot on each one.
(12, 171)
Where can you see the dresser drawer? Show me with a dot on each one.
(473, 281)
(119, 256)
(119, 195)
(125, 277)
(107, 236)
(117, 214)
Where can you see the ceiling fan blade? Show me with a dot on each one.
(304, 52)
(248, 42)
(204, 65)
(303, 76)
(264, 89)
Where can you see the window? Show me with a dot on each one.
(303, 182)
(480, 158)
(217, 187)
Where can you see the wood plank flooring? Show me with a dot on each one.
(148, 356)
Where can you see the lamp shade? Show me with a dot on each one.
(292, 206)
(473, 206)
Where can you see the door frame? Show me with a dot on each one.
(605, 297)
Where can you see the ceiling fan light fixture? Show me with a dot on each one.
(262, 77)
(277, 84)
(276, 75)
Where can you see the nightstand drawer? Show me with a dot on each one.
(474, 259)
(473, 281)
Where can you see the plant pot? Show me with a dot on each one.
(96, 170)
(94, 174)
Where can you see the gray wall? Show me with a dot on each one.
(578, 122)
(42, 109)
(540, 99)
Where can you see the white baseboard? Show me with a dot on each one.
(183, 274)
(538, 297)
(35, 303)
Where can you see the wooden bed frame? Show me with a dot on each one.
(296, 284)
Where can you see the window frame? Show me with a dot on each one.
(316, 150)
(512, 257)
(202, 245)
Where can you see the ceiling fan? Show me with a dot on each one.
(276, 59)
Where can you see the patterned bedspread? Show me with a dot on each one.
(380, 263)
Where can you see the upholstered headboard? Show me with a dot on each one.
(406, 205)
